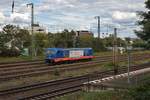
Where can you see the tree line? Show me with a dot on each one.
(13, 40)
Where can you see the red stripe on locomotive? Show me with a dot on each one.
(72, 59)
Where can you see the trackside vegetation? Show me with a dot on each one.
(141, 92)
(105, 95)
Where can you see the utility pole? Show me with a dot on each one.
(32, 31)
(129, 64)
(129, 48)
(115, 50)
(98, 26)
(76, 39)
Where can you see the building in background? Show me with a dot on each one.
(84, 33)
(37, 28)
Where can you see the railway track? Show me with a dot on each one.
(31, 70)
(20, 63)
(51, 89)
(24, 64)
(33, 62)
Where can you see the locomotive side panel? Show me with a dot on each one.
(76, 53)
(55, 55)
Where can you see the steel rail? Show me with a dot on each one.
(43, 70)
(66, 81)
(66, 90)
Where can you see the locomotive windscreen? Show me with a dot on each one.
(49, 52)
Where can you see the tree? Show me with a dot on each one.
(24, 37)
(144, 33)
(41, 42)
(16, 36)
(51, 39)
(9, 33)
(3, 40)
(98, 45)
(140, 93)
(108, 41)
(63, 39)
(138, 43)
(85, 41)
(13, 39)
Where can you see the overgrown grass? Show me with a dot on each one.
(136, 92)
(111, 53)
(103, 53)
(104, 95)
(48, 76)
(19, 58)
(58, 75)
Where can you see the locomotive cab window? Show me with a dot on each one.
(50, 52)
(58, 52)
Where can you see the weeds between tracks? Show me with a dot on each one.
(59, 87)
(49, 76)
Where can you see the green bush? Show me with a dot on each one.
(9, 53)
(140, 93)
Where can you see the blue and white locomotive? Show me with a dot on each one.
(56, 55)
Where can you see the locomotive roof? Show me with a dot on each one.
(67, 48)
(76, 48)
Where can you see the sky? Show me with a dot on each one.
(57, 15)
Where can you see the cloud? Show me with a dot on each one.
(118, 15)
(2, 17)
(77, 14)
(20, 18)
